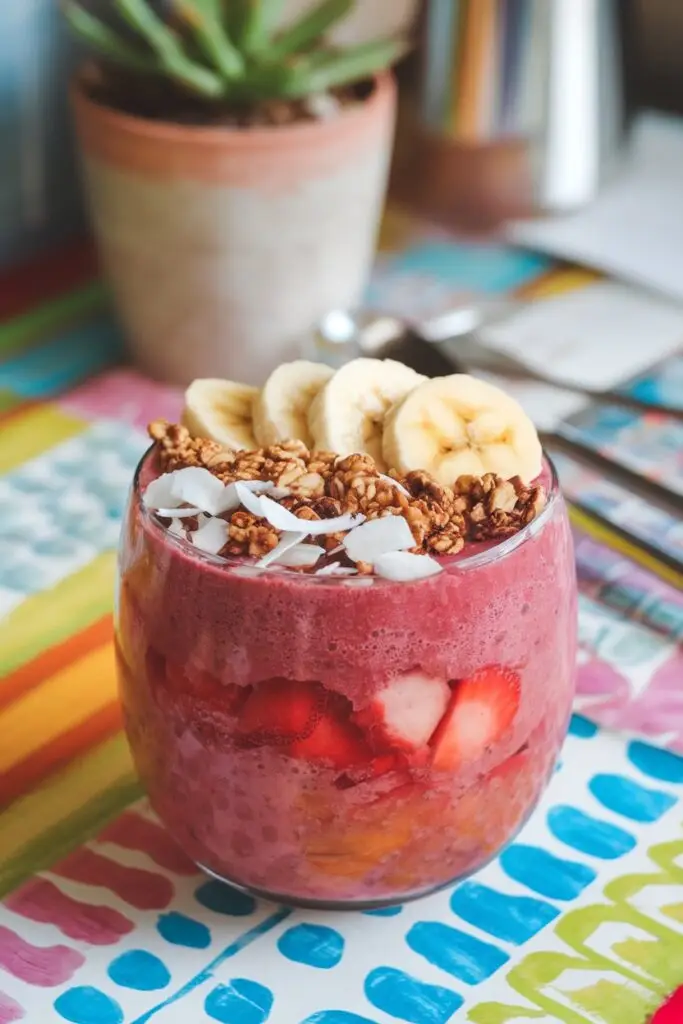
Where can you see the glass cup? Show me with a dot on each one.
(254, 704)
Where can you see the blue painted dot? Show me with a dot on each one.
(87, 1005)
(56, 547)
(183, 931)
(337, 1017)
(544, 873)
(409, 999)
(223, 899)
(240, 1002)
(312, 944)
(589, 835)
(462, 955)
(582, 727)
(510, 918)
(139, 970)
(625, 797)
(384, 911)
(659, 764)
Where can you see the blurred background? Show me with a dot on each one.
(40, 200)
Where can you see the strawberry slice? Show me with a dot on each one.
(197, 689)
(335, 742)
(405, 713)
(481, 710)
(281, 710)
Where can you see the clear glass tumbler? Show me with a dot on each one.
(283, 724)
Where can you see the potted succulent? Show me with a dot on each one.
(235, 172)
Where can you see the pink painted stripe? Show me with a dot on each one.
(124, 395)
(141, 889)
(37, 965)
(9, 1010)
(136, 833)
(42, 901)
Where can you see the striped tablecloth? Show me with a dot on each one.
(580, 921)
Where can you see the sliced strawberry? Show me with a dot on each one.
(335, 742)
(481, 710)
(405, 713)
(198, 689)
(217, 695)
(281, 710)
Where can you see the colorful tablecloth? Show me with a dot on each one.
(580, 920)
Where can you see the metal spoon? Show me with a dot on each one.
(446, 343)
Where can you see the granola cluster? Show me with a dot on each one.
(322, 485)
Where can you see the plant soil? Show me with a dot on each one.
(159, 99)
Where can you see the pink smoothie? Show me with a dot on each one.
(197, 635)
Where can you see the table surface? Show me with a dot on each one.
(580, 920)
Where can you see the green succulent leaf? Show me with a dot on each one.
(336, 68)
(231, 50)
(259, 24)
(309, 28)
(105, 40)
(203, 18)
(168, 48)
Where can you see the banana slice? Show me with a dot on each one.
(461, 425)
(347, 415)
(281, 409)
(220, 410)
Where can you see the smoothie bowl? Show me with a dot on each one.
(345, 682)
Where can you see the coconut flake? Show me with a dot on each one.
(402, 566)
(340, 524)
(159, 493)
(301, 556)
(257, 486)
(287, 541)
(334, 569)
(246, 570)
(211, 536)
(395, 483)
(230, 499)
(282, 519)
(198, 487)
(378, 537)
(279, 517)
(251, 501)
(176, 528)
(177, 513)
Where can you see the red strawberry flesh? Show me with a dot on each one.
(334, 742)
(279, 711)
(481, 710)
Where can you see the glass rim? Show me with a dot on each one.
(497, 552)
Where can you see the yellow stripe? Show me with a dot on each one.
(63, 800)
(49, 617)
(560, 281)
(605, 536)
(30, 433)
(396, 229)
(62, 702)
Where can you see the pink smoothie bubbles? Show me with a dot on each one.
(346, 741)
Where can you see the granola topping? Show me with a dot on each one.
(315, 486)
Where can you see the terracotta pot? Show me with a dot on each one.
(223, 246)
